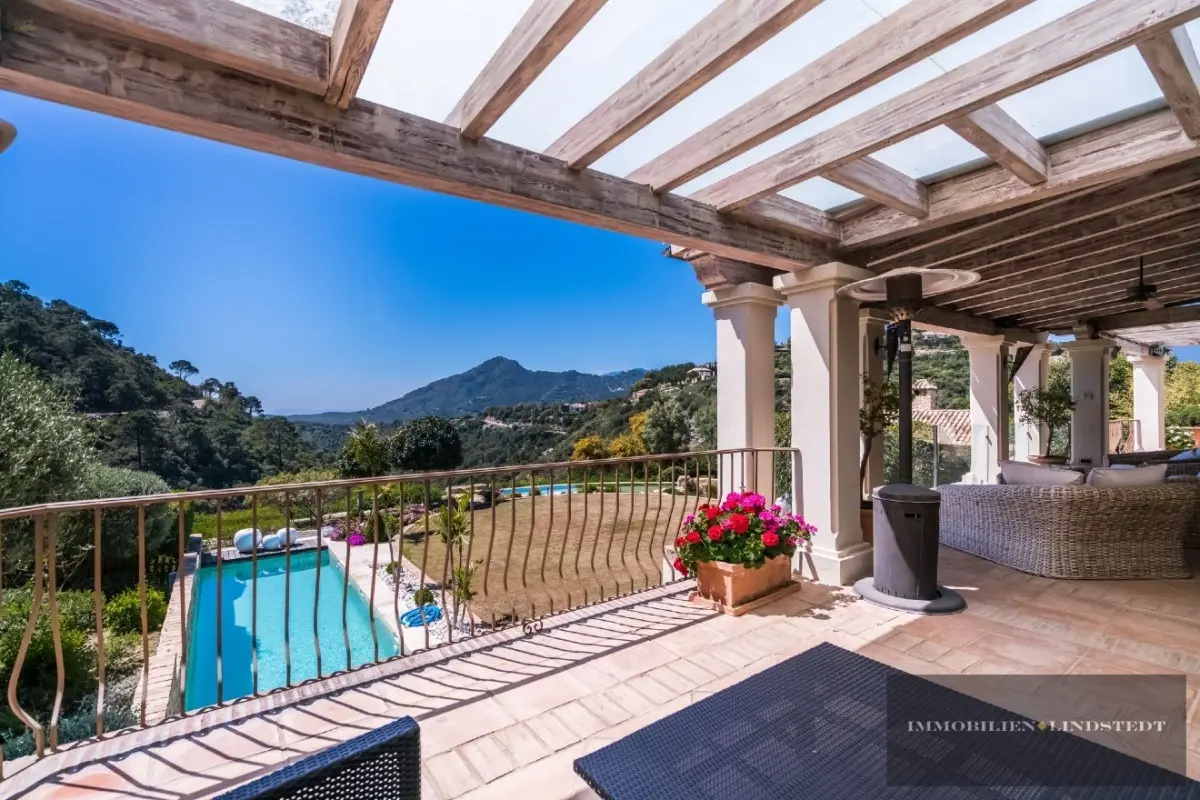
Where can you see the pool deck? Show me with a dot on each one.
(160, 676)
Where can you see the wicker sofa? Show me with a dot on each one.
(1074, 531)
(1187, 466)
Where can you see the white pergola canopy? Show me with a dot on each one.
(1046, 144)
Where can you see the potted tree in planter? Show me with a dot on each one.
(740, 551)
(1050, 406)
(880, 410)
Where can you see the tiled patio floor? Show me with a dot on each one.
(508, 721)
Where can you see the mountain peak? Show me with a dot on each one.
(499, 381)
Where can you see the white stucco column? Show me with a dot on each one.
(825, 390)
(989, 417)
(1030, 440)
(745, 316)
(871, 325)
(1150, 399)
(1089, 388)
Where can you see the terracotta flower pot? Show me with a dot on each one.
(732, 585)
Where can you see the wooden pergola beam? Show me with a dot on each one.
(1119, 204)
(1099, 29)
(1124, 246)
(355, 32)
(53, 60)
(715, 272)
(730, 32)
(536, 40)
(902, 38)
(1003, 140)
(1066, 288)
(1074, 231)
(1107, 303)
(1140, 319)
(1114, 153)
(794, 217)
(1172, 60)
(221, 32)
(883, 184)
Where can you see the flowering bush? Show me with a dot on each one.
(741, 530)
(356, 540)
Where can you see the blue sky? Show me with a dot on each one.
(314, 289)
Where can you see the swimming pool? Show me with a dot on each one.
(237, 642)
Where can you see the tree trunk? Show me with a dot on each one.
(862, 466)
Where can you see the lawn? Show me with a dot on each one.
(560, 551)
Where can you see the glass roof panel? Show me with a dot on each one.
(829, 24)
(623, 37)
(431, 50)
(318, 15)
(1108, 86)
(929, 153)
(820, 193)
(897, 84)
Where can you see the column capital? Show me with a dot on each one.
(831, 276)
(742, 294)
(1145, 358)
(1086, 345)
(981, 341)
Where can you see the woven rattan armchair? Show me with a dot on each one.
(384, 764)
(1073, 531)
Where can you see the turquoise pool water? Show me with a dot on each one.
(236, 619)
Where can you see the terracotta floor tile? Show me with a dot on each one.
(634, 660)
(487, 758)
(928, 651)
(449, 729)
(533, 698)
(901, 641)
(1023, 654)
(451, 774)
(521, 744)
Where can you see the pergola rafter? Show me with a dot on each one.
(729, 33)
(355, 32)
(1094, 31)
(541, 34)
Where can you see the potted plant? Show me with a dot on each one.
(1050, 406)
(880, 410)
(740, 550)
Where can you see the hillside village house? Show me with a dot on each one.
(1038, 149)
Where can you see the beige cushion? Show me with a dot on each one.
(1018, 473)
(1151, 475)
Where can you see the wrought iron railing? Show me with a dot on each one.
(451, 555)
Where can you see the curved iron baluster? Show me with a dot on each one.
(98, 611)
(39, 735)
(318, 494)
(398, 560)
(418, 600)
(528, 543)
(346, 583)
(56, 630)
(447, 563)
(254, 594)
(531, 626)
(374, 565)
(141, 526)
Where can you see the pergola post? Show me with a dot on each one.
(989, 405)
(1030, 439)
(825, 391)
(1089, 388)
(745, 315)
(1150, 400)
(871, 325)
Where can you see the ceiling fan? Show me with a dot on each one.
(1145, 293)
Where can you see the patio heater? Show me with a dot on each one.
(906, 515)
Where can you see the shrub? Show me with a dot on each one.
(123, 653)
(423, 596)
(39, 673)
(233, 521)
(123, 613)
(356, 540)
(428, 443)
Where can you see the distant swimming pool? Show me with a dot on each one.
(236, 620)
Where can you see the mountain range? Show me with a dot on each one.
(496, 382)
